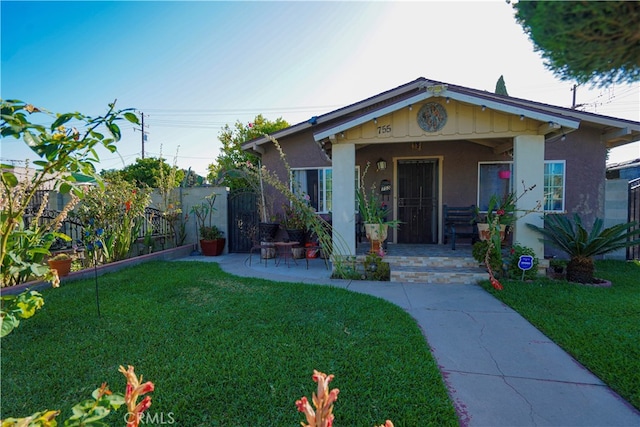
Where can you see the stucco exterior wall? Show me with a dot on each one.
(585, 159)
(300, 152)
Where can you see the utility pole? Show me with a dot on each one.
(574, 89)
(144, 134)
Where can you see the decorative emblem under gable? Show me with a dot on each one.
(432, 117)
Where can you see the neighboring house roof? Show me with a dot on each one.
(560, 120)
(624, 165)
(628, 170)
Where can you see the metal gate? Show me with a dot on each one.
(243, 220)
(633, 252)
(418, 201)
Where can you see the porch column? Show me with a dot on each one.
(528, 167)
(343, 159)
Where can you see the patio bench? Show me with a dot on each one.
(460, 221)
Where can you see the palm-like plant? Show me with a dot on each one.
(581, 245)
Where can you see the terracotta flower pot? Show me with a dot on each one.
(377, 234)
(212, 247)
(485, 234)
(62, 266)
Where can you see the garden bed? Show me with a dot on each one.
(164, 255)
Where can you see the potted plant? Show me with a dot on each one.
(295, 221)
(374, 214)
(500, 212)
(61, 263)
(211, 237)
(211, 240)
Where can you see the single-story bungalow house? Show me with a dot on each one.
(432, 144)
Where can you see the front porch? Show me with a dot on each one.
(415, 263)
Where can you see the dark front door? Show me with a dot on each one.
(418, 201)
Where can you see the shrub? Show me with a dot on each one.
(513, 271)
(376, 269)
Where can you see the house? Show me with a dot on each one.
(442, 144)
(628, 170)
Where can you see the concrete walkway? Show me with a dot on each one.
(499, 369)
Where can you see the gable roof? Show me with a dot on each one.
(615, 131)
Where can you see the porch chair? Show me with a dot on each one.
(460, 221)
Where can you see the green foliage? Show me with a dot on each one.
(479, 253)
(294, 217)
(146, 172)
(16, 307)
(227, 170)
(211, 233)
(60, 150)
(501, 87)
(26, 250)
(586, 41)
(376, 269)
(513, 271)
(582, 245)
(118, 210)
(573, 238)
(89, 412)
(204, 217)
(372, 209)
(598, 326)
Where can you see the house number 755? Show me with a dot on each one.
(384, 129)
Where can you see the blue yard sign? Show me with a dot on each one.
(525, 263)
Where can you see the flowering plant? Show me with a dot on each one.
(501, 210)
(295, 214)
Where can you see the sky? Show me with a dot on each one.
(192, 67)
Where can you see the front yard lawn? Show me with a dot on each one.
(223, 350)
(598, 326)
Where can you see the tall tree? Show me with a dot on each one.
(225, 170)
(501, 87)
(146, 172)
(595, 42)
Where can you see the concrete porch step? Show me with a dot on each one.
(443, 275)
(432, 261)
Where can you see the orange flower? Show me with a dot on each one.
(496, 284)
(323, 400)
(135, 388)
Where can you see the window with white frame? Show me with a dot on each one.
(493, 178)
(317, 183)
(554, 179)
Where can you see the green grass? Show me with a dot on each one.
(599, 327)
(223, 350)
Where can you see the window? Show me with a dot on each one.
(554, 186)
(317, 183)
(490, 182)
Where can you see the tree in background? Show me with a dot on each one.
(501, 87)
(146, 172)
(596, 42)
(225, 170)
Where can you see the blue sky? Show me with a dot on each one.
(192, 67)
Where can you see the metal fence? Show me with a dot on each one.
(155, 226)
